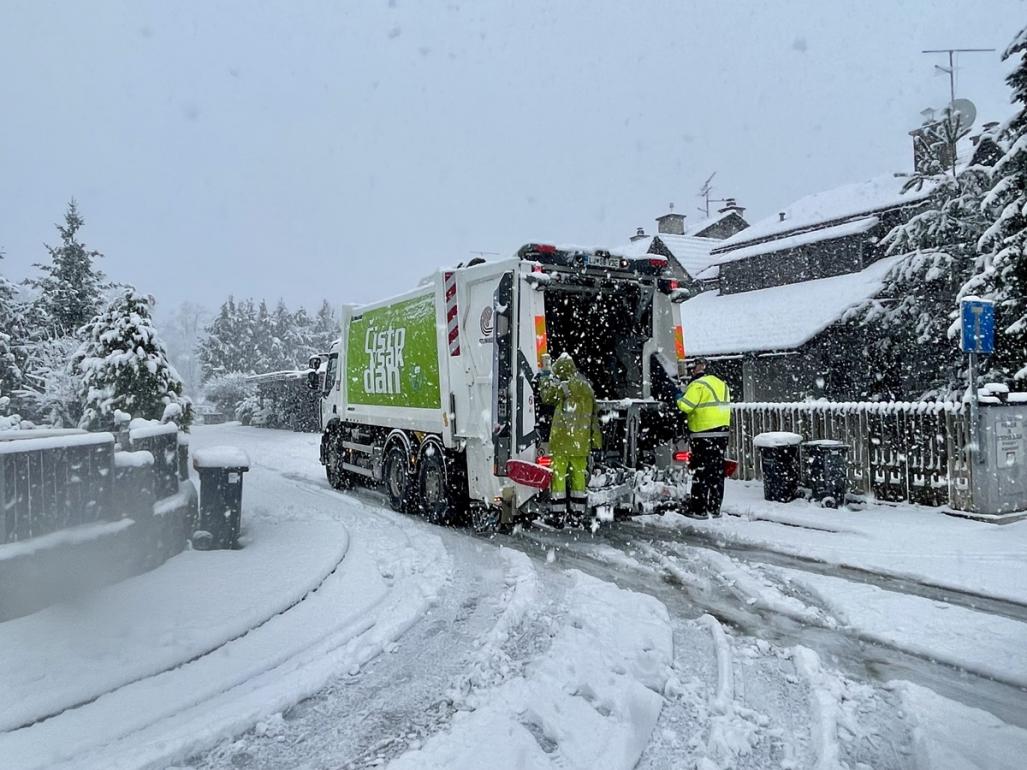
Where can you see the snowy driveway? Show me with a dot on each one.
(428, 647)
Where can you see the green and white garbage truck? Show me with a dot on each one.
(434, 393)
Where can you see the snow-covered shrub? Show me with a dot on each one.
(123, 365)
(229, 391)
(51, 386)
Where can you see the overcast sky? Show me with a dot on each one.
(309, 149)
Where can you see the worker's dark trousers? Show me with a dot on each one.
(707, 474)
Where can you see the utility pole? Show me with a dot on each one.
(951, 69)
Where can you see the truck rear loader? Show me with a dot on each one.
(434, 393)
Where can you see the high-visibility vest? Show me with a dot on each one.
(707, 402)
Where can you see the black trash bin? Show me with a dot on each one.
(825, 463)
(220, 512)
(779, 455)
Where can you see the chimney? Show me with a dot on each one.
(671, 224)
(780, 216)
(639, 234)
(730, 204)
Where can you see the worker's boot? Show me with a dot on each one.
(557, 510)
(579, 509)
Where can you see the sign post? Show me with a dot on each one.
(977, 319)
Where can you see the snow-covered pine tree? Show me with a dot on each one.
(908, 324)
(225, 346)
(302, 336)
(282, 350)
(11, 364)
(325, 330)
(70, 288)
(1001, 273)
(124, 366)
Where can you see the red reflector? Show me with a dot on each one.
(730, 467)
(529, 474)
(545, 248)
(673, 284)
(682, 457)
(545, 461)
(658, 261)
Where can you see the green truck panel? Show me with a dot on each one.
(392, 356)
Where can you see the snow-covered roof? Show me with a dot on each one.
(852, 227)
(694, 228)
(636, 248)
(775, 318)
(692, 253)
(846, 202)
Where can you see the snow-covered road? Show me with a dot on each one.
(378, 639)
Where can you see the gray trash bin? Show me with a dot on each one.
(220, 514)
(825, 466)
(779, 456)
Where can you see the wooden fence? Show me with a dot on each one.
(913, 451)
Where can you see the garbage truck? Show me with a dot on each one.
(434, 393)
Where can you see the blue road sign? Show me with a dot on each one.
(978, 321)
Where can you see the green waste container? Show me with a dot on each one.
(221, 470)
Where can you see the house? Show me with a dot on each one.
(687, 246)
(780, 289)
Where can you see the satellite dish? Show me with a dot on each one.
(964, 111)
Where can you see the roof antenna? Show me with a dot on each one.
(705, 192)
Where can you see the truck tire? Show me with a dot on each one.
(337, 475)
(399, 482)
(434, 492)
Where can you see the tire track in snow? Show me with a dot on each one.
(755, 554)
(861, 656)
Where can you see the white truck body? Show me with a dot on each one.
(491, 325)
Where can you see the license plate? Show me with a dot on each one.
(608, 263)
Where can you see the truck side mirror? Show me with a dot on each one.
(312, 380)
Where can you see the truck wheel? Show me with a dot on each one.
(398, 482)
(337, 476)
(435, 498)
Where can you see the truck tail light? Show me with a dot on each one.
(546, 461)
(682, 457)
(658, 262)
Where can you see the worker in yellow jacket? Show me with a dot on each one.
(707, 402)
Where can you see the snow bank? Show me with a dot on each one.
(142, 459)
(901, 541)
(988, 645)
(65, 537)
(590, 702)
(70, 653)
(950, 735)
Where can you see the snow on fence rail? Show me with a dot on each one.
(58, 481)
(899, 450)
